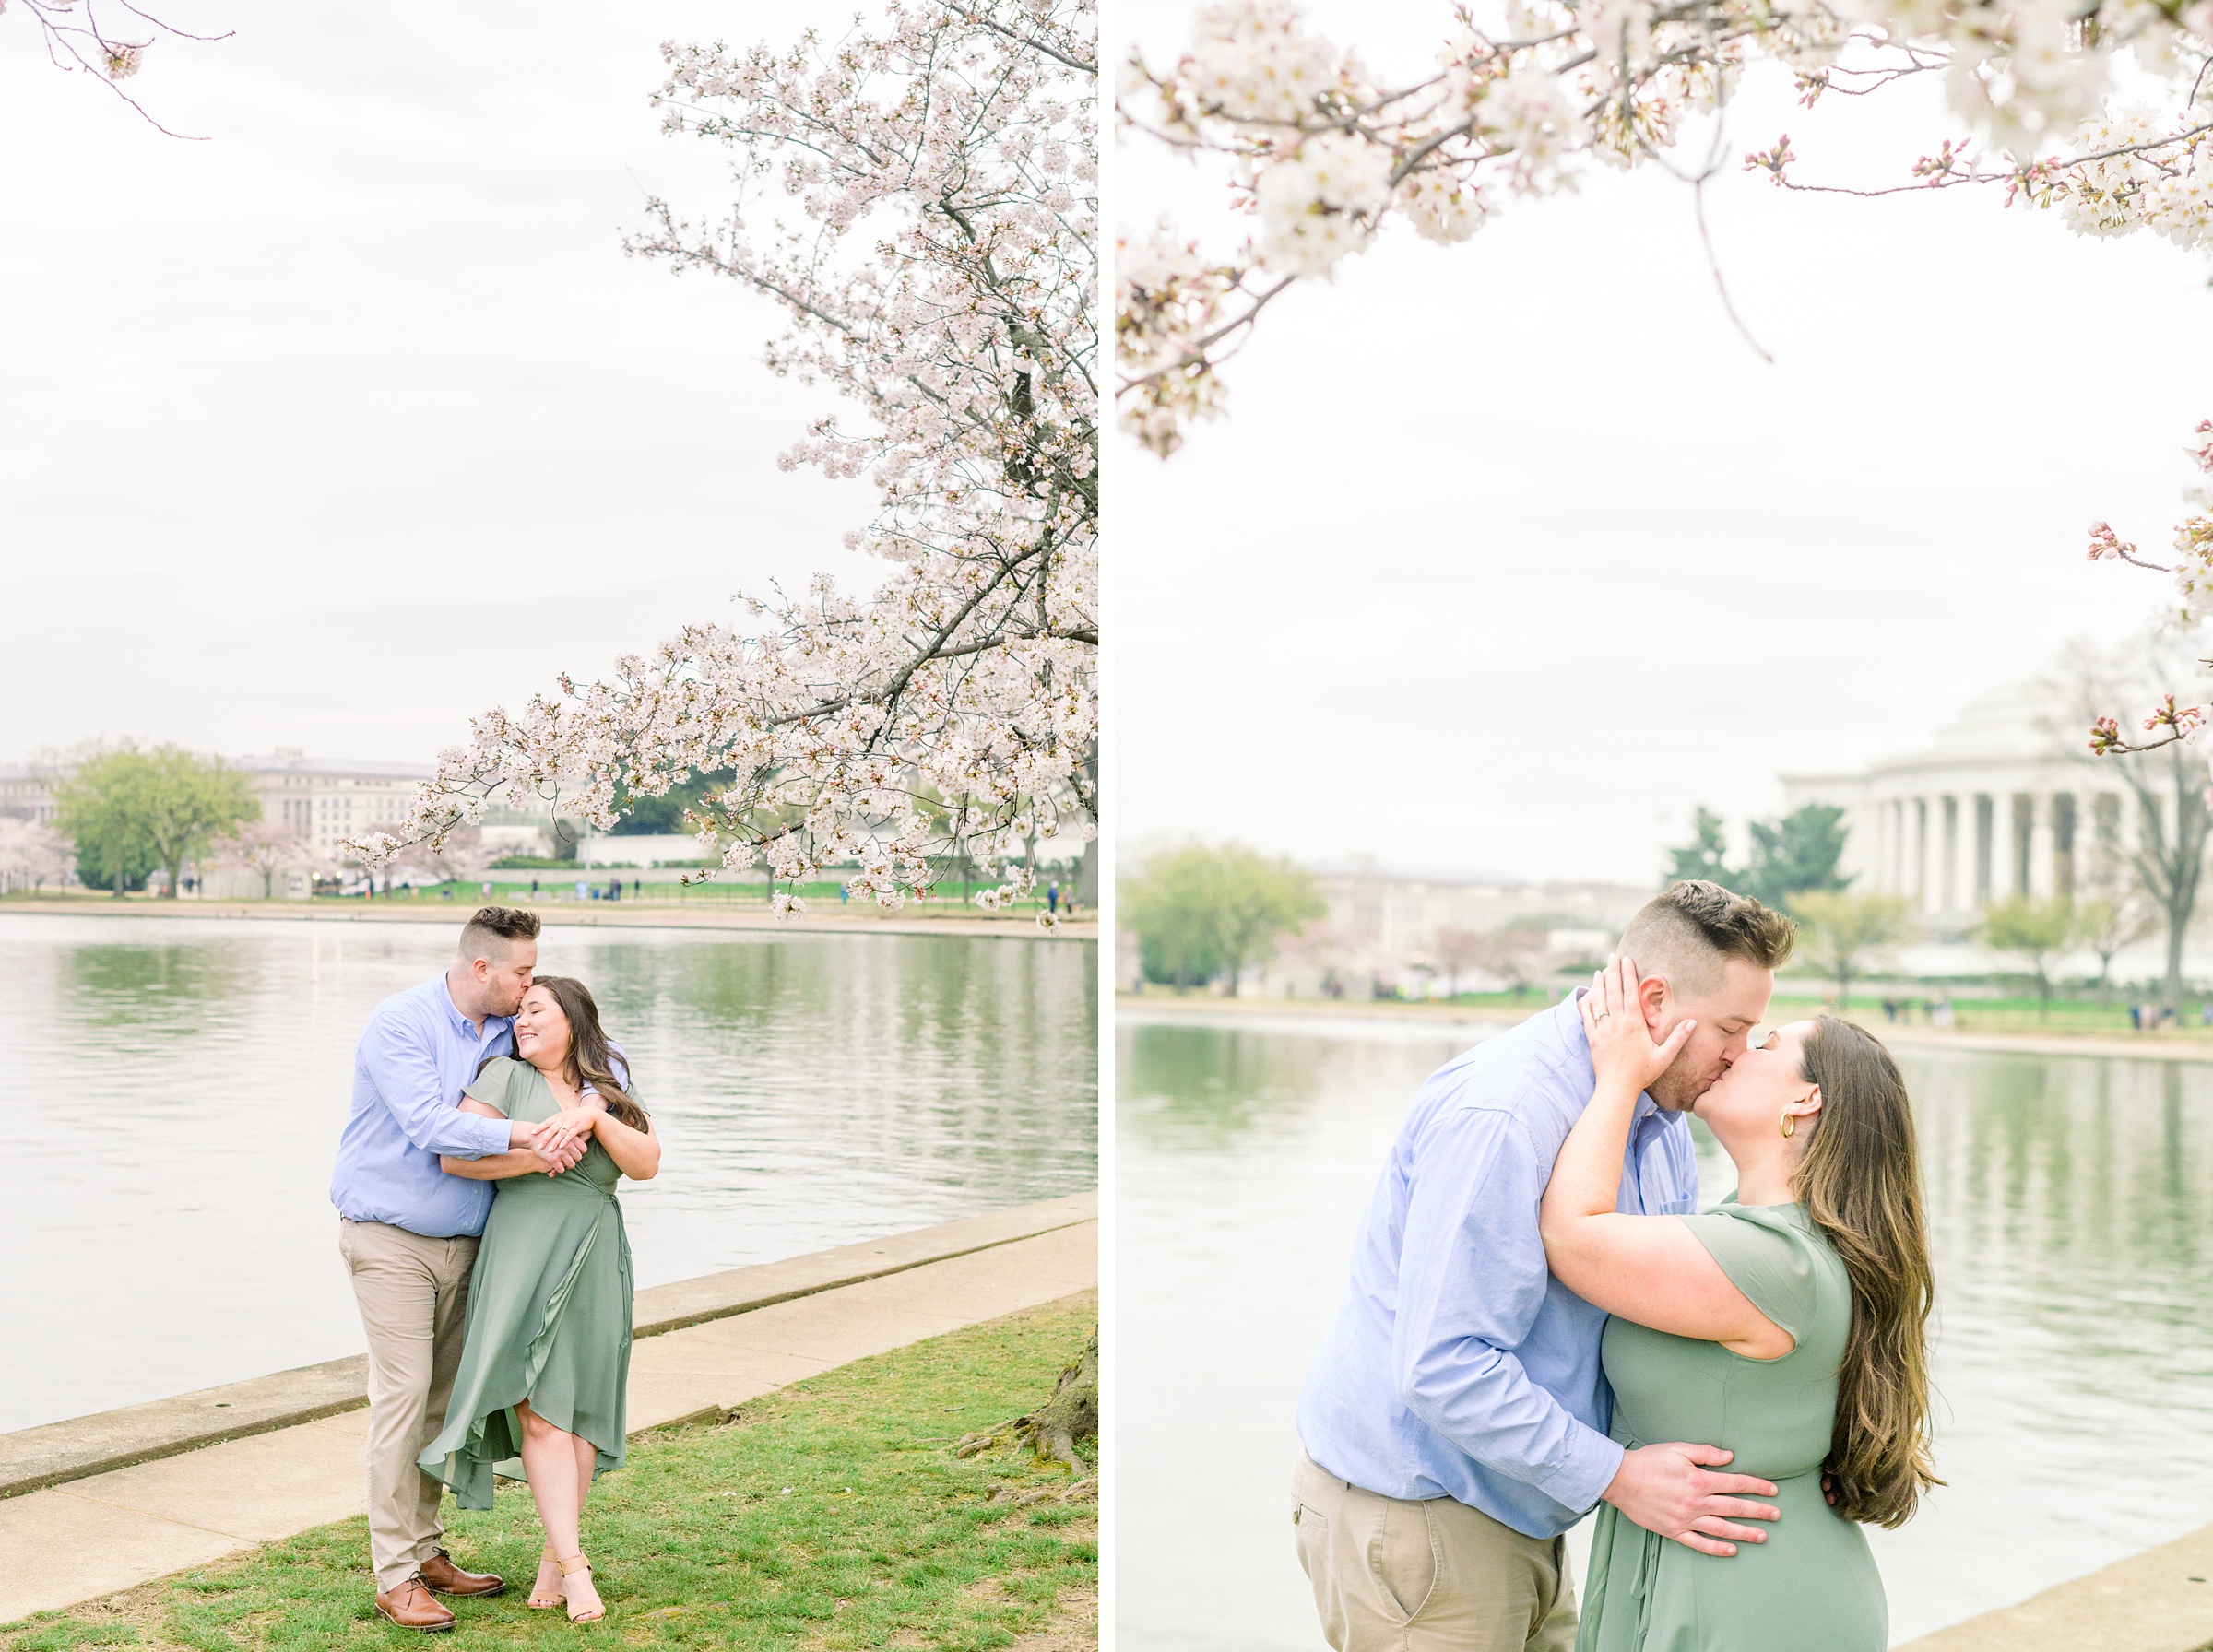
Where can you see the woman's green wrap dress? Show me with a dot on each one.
(1812, 1586)
(548, 1309)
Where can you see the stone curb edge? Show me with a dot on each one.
(963, 927)
(351, 1370)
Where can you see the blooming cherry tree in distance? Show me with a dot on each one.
(2095, 108)
(941, 274)
(263, 847)
(33, 855)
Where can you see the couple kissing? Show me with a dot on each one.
(1541, 1322)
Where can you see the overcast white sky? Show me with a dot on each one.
(1507, 555)
(353, 419)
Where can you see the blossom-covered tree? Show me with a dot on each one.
(2164, 771)
(266, 847)
(940, 275)
(1526, 93)
(33, 855)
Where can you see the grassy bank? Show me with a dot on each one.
(1913, 1006)
(2102, 1032)
(829, 1515)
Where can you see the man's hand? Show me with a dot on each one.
(554, 1150)
(1667, 1489)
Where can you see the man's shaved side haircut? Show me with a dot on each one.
(1684, 933)
(493, 931)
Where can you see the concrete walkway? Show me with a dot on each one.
(2160, 1601)
(704, 1345)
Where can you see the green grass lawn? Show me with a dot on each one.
(2018, 1014)
(830, 1515)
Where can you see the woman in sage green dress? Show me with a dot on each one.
(545, 1358)
(1787, 1327)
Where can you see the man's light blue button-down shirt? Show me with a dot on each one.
(1458, 1366)
(415, 1054)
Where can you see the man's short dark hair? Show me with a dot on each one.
(495, 929)
(1684, 931)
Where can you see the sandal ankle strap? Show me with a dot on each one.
(573, 1563)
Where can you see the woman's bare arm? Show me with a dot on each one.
(636, 1153)
(514, 1162)
(1648, 1268)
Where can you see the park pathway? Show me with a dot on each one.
(703, 1346)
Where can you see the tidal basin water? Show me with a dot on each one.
(2071, 1201)
(174, 1089)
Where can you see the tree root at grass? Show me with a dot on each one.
(1056, 1428)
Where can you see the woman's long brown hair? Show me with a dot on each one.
(589, 1060)
(1860, 1180)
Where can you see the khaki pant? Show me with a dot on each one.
(1430, 1576)
(413, 1293)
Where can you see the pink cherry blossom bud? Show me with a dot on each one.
(2104, 542)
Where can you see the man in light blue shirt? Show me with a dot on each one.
(1455, 1421)
(408, 1233)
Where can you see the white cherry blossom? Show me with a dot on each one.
(1524, 93)
(941, 276)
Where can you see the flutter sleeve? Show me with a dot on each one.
(1766, 1258)
(490, 1085)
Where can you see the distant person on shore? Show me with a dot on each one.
(546, 1363)
(408, 1232)
(1455, 1421)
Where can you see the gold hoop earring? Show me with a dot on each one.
(1787, 1125)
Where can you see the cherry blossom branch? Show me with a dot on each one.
(111, 59)
(2192, 574)
(1325, 158)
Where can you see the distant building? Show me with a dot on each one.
(324, 799)
(2004, 800)
(1387, 930)
(25, 795)
(1399, 914)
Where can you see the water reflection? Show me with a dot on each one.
(177, 1089)
(2069, 1203)
(163, 989)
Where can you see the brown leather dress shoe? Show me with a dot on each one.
(410, 1607)
(441, 1574)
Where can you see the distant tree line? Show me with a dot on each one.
(1205, 912)
(134, 810)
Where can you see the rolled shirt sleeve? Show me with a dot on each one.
(1472, 1278)
(406, 1078)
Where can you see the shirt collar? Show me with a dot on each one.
(1645, 1106)
(459, 1022)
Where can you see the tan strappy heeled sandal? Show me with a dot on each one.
(538, 1603)
(569, 1568)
